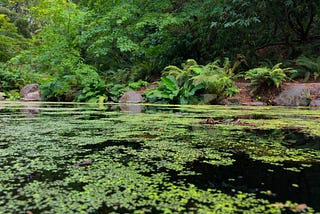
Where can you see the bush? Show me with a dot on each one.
(16, 77)
(265, 79)
(83, 83)
(308, 67)
(189, 84)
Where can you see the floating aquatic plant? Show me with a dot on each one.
(87, 160)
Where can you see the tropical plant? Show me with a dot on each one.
(216, 80)
(264, 79)
(308, 67)
(169, 91)
(193, 80)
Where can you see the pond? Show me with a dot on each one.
(81, 158)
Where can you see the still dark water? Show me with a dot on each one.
(80, 158)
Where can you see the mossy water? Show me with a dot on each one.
(77, 158)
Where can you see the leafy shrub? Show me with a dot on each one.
(83, 83)
(308, 67)
(265, 79)
(169, 91)
(115, 90)
(138, 84)
(188, 84)
(11, 42)
(15, 77)
(216, 80)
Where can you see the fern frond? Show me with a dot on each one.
(172, 70)
(308, 63)
(276, 66)
(191, 62)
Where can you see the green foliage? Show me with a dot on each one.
(265, 79)
(121, 34)
(138, 84)
(184, 85)
(14, 78)
(115, 91)
(126, 41)
(82, 84)
(216, 80)
(12, 95)
(169, 91)
(11, 42)
(309, 67)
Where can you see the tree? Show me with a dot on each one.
(11, 42)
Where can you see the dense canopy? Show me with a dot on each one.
(94, 46)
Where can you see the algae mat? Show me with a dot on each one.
(78, 158)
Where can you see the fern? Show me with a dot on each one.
(265, 78)
(179, 74)
(185, 85)
(215, 80)
(309, 67)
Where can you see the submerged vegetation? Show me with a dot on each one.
(57, 158)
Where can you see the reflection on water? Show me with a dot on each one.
(30, 109)
(131, 108)
(101, 158)
(269, 181)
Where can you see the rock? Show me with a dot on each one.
(315, 103)
(294, 95)
(83, 163)
(301, 207)
(30, 92)
(1, 96)
(131, 97)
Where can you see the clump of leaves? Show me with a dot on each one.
(14, 77)
(189, 84)
(217, 80)
(138, 84)
(170, 91)
(265, 79)
(83, 83)
(308, 67)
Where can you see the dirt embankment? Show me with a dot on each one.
(289, 94)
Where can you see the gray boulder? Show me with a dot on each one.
(297, 94)
(30, 92)
(131, 97)
(315, 103)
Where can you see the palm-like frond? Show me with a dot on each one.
(310, 66)
(266, 78)
(179, 74)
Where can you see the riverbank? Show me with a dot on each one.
(289, 94)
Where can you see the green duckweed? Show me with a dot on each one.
(78, 158)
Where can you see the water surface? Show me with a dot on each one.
(81, 158)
